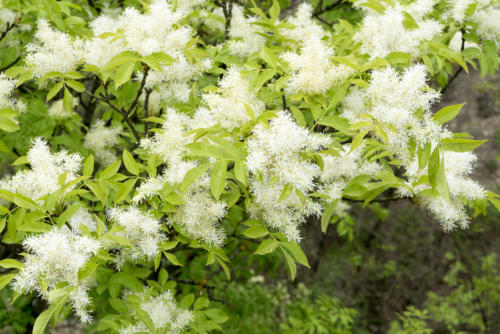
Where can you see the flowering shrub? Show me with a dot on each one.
(145, 134)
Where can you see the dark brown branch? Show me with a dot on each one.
(145, 72)
(106, 99)
(146, 109)
(11, 64)
(9, 27)
(227, 9)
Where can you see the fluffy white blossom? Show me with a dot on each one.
(46, 167)
(156, 31)
(173, 81)
(395, 100)
(56, 257)
(245, 39)
(275, 160)
(164, 313)
(312, 70)
(169, 143)
(200, 213)
(232, 107)
(53, 51)
(488, 23)
(305, 27)
(7, 86)
(141, 229)
(101, 139)
(381, 34)
(82, 218)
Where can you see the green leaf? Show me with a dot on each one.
(124, 72)
(192, 175)
(297, 253)
(111, 170)
(88, 167)
(398, 58)
(287, 190)
(461, 144)
(447, 113)
(124, 57)
(437, 174)
(25, 202)
(268, 56)
(408, 22)
(218, 178)
(11, 264)
(68, 101)
(77, 86)
(5, 279)
(43, 319)
(240, 171)
(274, 11)
(172, 258)
(327, 215)
(291, 264)
(130, 164)
(256, 232)
(87, 271)
(225, 268)
(67, 214)
(23, 160)
(54, 90)
(201, 303)
(186, 301)
(267, 246)
(8, 125)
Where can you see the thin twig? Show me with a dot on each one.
(9, 27)
(460, 69)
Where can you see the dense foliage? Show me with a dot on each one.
(154, 149)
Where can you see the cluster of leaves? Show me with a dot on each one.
(112, 94)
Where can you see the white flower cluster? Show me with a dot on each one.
(275, 160)
(200, 213)
(394, 100)
(142, 230)
(485, 15)
(7, 87)
(381, 34)
(46, 167)
(245, 38)
(401, 104)
(312, 70)
(53, 51)
(163, 311)
(101, 139)
(56, 257)
(305, 27)
(230, 107)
